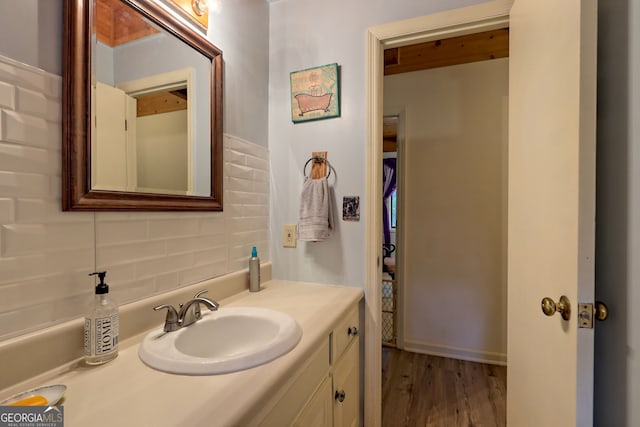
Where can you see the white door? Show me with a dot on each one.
(551, 210)
(112, 143)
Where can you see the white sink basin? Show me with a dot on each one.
(228, 340)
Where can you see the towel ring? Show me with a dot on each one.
(317, 159)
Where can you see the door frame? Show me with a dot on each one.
(176, 79)
(468, 20)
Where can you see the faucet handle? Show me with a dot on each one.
(171, 321)
(196, 311)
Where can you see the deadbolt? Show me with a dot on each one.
(549, 307)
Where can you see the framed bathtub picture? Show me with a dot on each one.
(315, 93)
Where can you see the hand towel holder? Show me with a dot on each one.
(317, 158)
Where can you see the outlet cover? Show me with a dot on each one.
(289, 235)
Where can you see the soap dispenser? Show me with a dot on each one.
(101, 326)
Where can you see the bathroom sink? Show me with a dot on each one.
(227, 340)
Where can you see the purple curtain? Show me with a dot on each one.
(388, 187)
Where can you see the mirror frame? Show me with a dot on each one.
(77, 194)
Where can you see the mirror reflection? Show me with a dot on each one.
(150, 106)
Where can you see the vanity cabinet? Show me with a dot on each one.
(318, 412)
(346, 403)
(326, 390)
(298, 388)
(336, 402)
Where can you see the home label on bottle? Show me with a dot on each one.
(106, 334)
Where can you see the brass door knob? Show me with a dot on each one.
(600, 311)
(549, 307)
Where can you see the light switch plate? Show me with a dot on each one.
(289, 235)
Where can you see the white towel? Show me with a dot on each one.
(316, 212)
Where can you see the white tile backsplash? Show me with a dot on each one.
(173, 227)
(29, 130)
(121, 231)
(38, 104)
(7, 211)
(18, 158)
(32, 211)
(25, 239)
(17, 184)
(7, 95)
(24, 76)
(46, 254)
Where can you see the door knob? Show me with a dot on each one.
(600, 311)
(549, 307)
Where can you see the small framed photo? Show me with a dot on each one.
(351, 208)
(315, 93)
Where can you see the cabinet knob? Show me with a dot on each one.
(340, 395)
(353, 331)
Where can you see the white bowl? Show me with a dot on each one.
(53, 393)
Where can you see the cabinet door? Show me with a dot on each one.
(318, 412)
(344, 334)
(346, 393)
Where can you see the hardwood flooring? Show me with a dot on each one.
(423, 390)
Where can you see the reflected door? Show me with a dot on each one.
(114, 163)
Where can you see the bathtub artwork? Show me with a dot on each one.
(315, 93)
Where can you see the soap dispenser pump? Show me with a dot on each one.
(101, 326)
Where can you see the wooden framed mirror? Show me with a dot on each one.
(146, 158)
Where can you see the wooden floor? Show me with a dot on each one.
(423, 390)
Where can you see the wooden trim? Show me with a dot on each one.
(389, 145)
(447, 51)
(77, 194)
(158, 103)
(390, 134)
(470, 354)
(373, 237)
(481, 17)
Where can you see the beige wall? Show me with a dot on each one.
(162, 147)
(46, 254)
(454, 208)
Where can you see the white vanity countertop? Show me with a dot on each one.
(126, 392)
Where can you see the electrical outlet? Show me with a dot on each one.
(289, 235)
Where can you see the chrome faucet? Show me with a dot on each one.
(171, 321)
(189, 312)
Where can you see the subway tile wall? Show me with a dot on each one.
(46, 254)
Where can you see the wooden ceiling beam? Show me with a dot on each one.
(452, 51)
(161, 102)
(390, 134)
